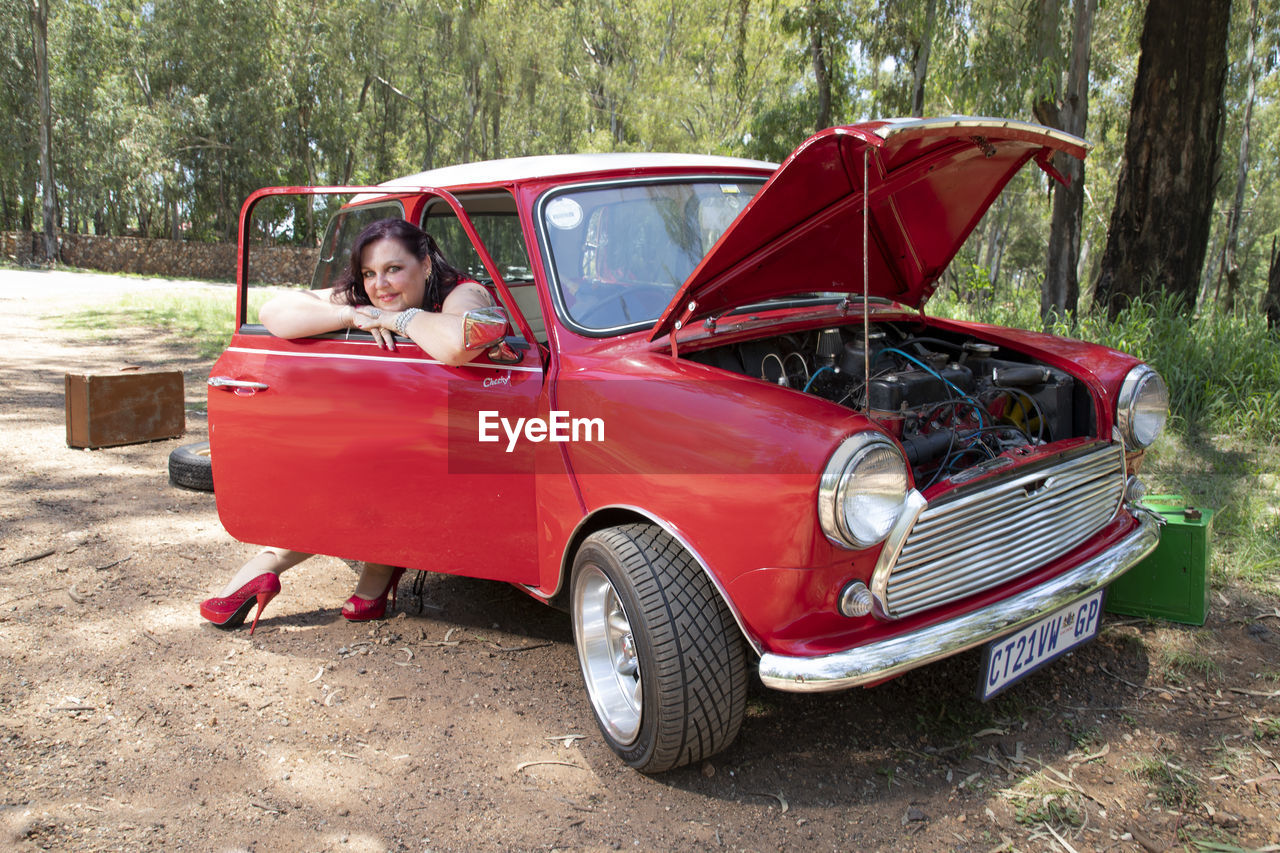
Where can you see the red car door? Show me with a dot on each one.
(334, 446)
(337, 447)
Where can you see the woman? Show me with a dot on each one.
(397, 282)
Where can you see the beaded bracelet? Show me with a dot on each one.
(402, 322)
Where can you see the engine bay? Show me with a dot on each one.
(954, 402)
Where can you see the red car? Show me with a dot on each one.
(720, 429)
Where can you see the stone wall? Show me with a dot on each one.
(163, 258)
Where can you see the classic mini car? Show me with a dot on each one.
(720, 428)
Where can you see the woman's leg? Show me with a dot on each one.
(370, 601)
(274, 560)
(374, 579)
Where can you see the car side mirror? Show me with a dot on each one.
(486, 328)
(483, 327)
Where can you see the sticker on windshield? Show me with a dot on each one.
(730, 189)
(564, 213)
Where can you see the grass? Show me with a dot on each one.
(1058, 809)
(1174, 786)
(1180, 664)
(202, 321)
(1222, 447)
(1083, 736)
(1266, 728)
(1035, 801)
(1187, 655)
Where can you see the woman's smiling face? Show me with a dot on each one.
(393, 277)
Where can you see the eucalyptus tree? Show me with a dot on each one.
(1261, 219)
(1067, 109)
(1248, 185)
(1160, 222)
(19, 142)
(818, 56)
(39, 15)
(219, 73)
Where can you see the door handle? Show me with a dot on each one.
(228, 384)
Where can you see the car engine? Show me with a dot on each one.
(953, 402)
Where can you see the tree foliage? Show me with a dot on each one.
(167, 113)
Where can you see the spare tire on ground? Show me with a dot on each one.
(191, 467)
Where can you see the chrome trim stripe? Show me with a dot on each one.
(352, 357)
(914, 504)
(896, 655)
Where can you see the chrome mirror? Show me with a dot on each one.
(483, 327)
(486, 328)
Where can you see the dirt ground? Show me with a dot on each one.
(127, 723)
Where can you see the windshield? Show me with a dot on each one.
(619, 253)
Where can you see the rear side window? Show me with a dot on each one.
(498, 226)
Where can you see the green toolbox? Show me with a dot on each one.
(1170, 582)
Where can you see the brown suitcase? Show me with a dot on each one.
(128, 407)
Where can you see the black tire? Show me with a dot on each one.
(191, 467)
(663, 660)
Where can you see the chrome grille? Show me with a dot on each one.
(1013, 526)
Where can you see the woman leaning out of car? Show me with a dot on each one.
(397, 282)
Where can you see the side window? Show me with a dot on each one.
(498, 226)
(285, 250)
(335, 251)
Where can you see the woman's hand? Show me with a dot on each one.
(381, 324)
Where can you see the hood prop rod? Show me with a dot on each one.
(866, 285)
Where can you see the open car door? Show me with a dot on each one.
(331, 445)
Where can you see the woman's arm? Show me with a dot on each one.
(299, 313)
(439, 335)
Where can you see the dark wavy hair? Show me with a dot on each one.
(444, 276)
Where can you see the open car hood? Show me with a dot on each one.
(929, 180)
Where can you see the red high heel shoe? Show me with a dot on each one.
(359, 609)
(230, 612)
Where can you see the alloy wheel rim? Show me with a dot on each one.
(606, 650)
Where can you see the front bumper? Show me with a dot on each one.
(886, 658)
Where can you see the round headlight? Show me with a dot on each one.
(862, 491)
(1143, 407)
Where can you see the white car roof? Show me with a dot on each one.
(523, 168)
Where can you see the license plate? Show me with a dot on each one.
(1015, 656)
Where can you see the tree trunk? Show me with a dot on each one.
(818, 55)
(1060, 291)
(1047, 49)
(995, 248)
(921, 69)
(740, 53)
(1230, 264)
(39, 10)
(1271, 299)
(1164, 202)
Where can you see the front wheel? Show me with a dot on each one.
(664, 663)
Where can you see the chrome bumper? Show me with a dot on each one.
(886, 658)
